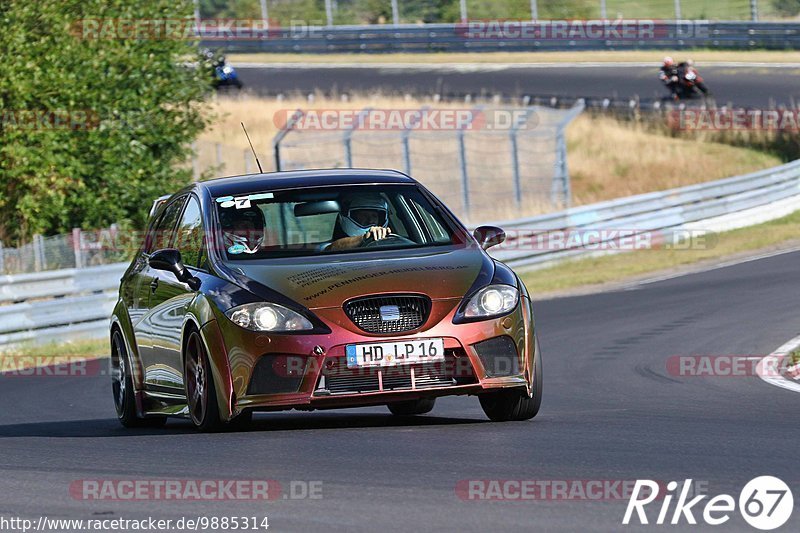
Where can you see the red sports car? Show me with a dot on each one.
(312, 290)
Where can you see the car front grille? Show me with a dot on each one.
(337, 378)
(388, 314)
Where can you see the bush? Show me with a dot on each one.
(787, 8)
(131, 109)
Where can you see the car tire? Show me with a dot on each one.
(241, 422)
(412, 407)
(515, 404)
(122, 387)
(201, 394)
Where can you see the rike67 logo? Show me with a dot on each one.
(765, 503)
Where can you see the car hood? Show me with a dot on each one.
(313, 283)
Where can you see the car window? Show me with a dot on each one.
(330, 220)
(189, 240)
(164, 230)
(437, 231)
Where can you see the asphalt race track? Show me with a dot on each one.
(611, 412)
(752, 86)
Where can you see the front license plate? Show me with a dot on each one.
(394, 353)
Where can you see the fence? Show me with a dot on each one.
(518, 37)
(398, 12)
(499, 163)
(73, 250)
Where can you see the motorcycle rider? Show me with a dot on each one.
(669, 74)
(363, 218)
(211, 59)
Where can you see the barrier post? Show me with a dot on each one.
(276, 142)
(347, 138)
(77, 247)
(515, 156)
(38, 260)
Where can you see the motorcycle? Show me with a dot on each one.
(686, 84)
(226, 76)
(690, 83)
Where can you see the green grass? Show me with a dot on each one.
(690, 9)
(27, 355)
(619, 267)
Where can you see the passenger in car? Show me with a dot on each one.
(243, 230)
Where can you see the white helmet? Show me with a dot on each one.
(243, 230)
(363, 211)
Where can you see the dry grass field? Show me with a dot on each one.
(606, 158)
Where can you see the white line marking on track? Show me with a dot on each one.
(773, 361)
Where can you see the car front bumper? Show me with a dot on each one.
(255, 371)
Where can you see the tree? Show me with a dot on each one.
(787, 8)
(94, 125)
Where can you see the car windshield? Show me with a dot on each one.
(330, 220)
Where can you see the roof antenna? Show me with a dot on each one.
(251, 147)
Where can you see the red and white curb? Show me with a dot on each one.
(773, 361)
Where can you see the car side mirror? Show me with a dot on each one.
(169, 260)
(488, 236)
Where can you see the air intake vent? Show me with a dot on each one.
(388, 314)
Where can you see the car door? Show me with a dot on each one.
(170, 300)
(150, 330)
(134, 289)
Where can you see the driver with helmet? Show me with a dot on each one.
(242, 229)
(364, 218)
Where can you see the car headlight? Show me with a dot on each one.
(268, 317)
(492, 300)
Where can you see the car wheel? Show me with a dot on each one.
(122, 388)
(241, 422)
(201, 395)
(515, 404)
(412, 407)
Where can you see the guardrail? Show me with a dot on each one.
(76, 303)
(755, 197)
(456, 38)
(59, 304)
